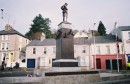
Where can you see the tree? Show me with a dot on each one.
(40, 24)
(101, 29)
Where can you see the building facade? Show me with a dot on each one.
(123, 32)
(99, 52)
(46, 49)
(104, 52)
(12, 45)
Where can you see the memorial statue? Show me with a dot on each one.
(64, 12)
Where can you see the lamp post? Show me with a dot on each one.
(94, 45)
(117, 46)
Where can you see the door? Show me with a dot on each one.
(114, 64)
(30, 63)
(98, 63)
(108, 65)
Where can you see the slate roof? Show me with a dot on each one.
(81, 41)
(77, 41)
(124, 28)
(105, 39)
(10, 32)
(46, 42)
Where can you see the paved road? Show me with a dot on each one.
(22, 75)
(15, 73)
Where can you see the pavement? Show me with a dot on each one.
(110, 74)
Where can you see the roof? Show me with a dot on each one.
(105, 39)
(11, 31)
(81, 41)
(124, 28)
(45, 42)
(77, 41)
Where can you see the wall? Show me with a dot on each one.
(39, 53)
(110, 57)
(103, 51)
(125, 39)
(13, 46)
(80, 34)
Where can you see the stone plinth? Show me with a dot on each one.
(65, 46)
(65, 25)
(65, 63)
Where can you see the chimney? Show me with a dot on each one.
(8, 27)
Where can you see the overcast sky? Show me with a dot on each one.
(82, 13)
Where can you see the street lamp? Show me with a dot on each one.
(117, 46)
(94, 44)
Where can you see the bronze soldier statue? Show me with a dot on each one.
(64, 12)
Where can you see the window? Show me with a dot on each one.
(129, 35)
(6, 37)
(45, 50)
(84, 49)
(108, 49)
(97, 49)
(2, 37)
(34, 50)
(7, 46)
(2, 46)
(54, 49)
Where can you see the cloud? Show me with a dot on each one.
(82, 13)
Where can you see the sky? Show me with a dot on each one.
(81, 13)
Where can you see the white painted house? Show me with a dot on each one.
(123, 33)
(46, 49)
(80, 34)
(104, 52)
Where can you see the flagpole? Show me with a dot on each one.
(117, 45)
(117, 58)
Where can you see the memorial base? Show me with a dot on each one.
(65, 63)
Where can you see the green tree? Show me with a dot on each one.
(40, 24)
(101, 29)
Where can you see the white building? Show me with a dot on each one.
(123, 33)
(80, 34)
(104, 52)
(46, 49)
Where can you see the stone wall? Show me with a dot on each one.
(69, 79)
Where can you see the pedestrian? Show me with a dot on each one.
(10, 69)
(3, 65)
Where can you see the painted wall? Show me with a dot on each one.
(126, 40)
(15, 43)
(110, 57)
(78, 52)
(80, 34)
